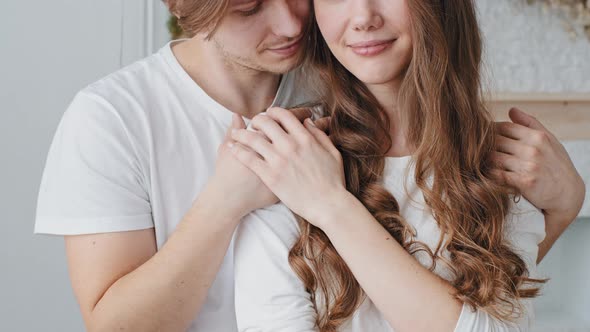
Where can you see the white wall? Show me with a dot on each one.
(530, 51)
(51, 49)
(48, 51)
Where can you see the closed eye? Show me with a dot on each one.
(252, 10)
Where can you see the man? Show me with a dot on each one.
(147, 201)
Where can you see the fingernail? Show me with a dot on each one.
(310, 122)
(230, 144)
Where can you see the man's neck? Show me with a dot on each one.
(241, 90)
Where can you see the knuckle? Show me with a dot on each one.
(260, 137)
(280, 162)
(499, 157)
(275, 111)
(257, 120)
(306, 141)
(534, 152)
(533, 167)
(541, 138)
(529, 181)
(291, 148)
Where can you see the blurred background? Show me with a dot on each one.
(537, 56)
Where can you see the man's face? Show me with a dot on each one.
(264, 35)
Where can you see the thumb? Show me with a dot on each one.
(519, 117)
(323, 124)
(237, 122)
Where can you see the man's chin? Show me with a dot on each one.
(284, 66)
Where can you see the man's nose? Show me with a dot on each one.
(289, 20)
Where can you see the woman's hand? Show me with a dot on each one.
(297, 162)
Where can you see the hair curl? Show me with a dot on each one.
(454, 134)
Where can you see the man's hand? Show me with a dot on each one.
(530, 158)
(240, 188)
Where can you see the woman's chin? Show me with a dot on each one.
(375, 79)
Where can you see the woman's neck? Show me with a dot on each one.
(387, 96)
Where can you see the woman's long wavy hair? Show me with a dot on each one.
(453, 134)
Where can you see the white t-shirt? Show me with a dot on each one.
(132, 152)
(270, 296)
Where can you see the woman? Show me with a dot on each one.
(399, 203)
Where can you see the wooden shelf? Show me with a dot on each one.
(541, 97)
(566, 115)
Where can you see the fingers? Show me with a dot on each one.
(509, 145)
(301, 113)
(323, 124)
(249, 158)
(288, 121)
(254, 141)
(506, 178)
(526, 128)
(322, 138)
(237, 122)
(271, 129)
(519, 117)
(533, 137)
(508, 162)
(512, 130)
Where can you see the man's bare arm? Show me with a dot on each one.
(530, 158)
(122, 283)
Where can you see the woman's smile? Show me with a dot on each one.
(372, 47)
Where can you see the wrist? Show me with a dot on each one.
(566, 213)
(335, 209)
(213, 201)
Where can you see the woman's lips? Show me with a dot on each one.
(371, 48)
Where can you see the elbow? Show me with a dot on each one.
(114, 323)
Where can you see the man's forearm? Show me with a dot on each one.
(556, 221)
(555, 225)
(168, 290)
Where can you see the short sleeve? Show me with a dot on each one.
(269, 296)
(525, 230)
(93, 180)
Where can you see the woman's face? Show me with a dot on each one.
(371, 38)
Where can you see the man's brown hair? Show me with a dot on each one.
(196, 16)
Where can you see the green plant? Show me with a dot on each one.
(173, 27)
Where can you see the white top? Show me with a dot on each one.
(270, 296)
(133, 151)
